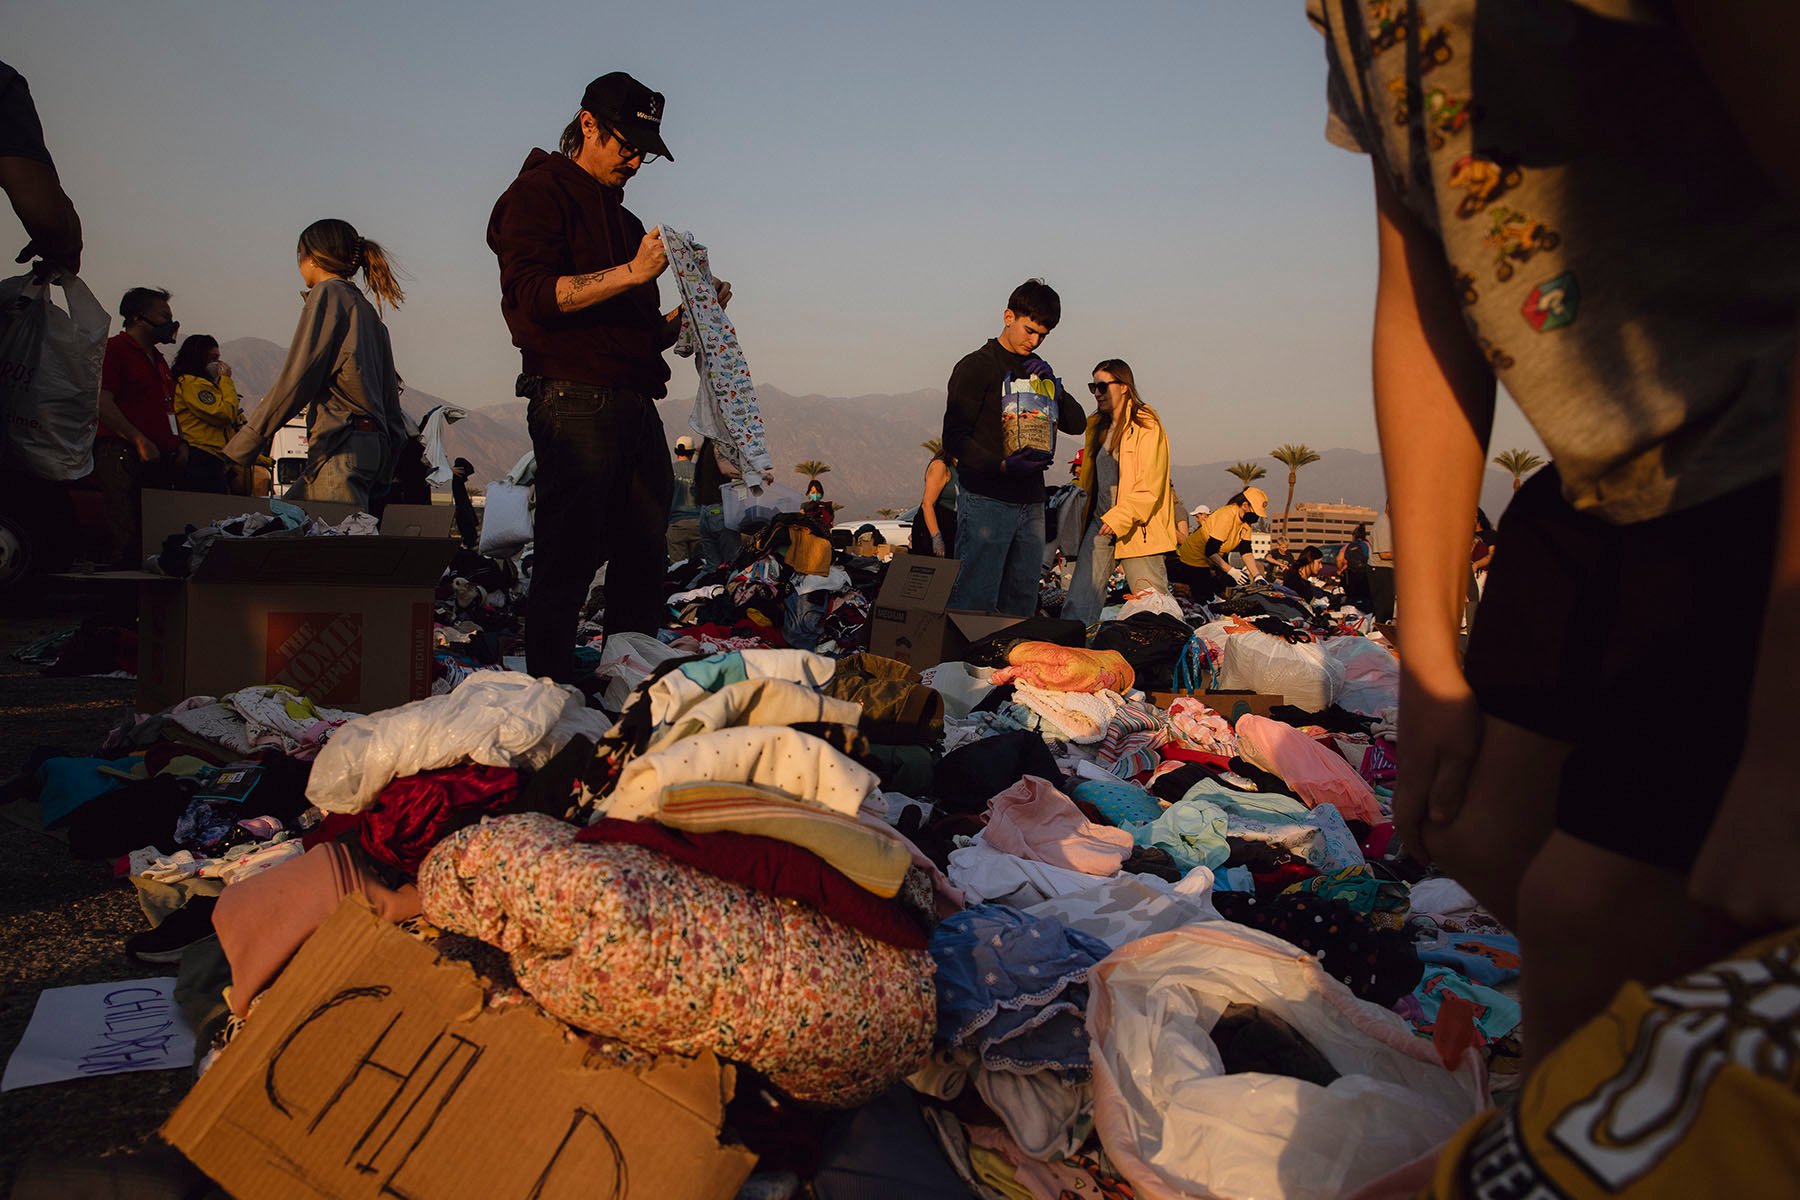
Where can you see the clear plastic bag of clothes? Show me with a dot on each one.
(1177, 1123)
(1028, 414)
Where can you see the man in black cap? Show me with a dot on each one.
(578, 291)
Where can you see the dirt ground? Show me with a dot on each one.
(62, 921)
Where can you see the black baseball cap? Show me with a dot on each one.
(633, 110)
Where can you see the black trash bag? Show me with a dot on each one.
(1261, 600)
(1151, 642)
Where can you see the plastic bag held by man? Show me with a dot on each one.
(50, 374)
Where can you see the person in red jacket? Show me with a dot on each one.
(138, 443)
(578, 290)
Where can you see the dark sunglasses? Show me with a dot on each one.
(1099, 389)
(630, 151)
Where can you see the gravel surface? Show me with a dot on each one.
(62, 921)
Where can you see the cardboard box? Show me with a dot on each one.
(347, 620)
(1230, 705)
(912, 620)
(370, 1069)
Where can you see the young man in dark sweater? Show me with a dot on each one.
(1002, 399)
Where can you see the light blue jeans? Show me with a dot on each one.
(717, 544)
(1001, 550)
(1093, 571)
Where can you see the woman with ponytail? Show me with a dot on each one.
(340, 370)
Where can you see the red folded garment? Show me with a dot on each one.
(773, 868)
(412, 815)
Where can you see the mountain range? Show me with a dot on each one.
(873, 444)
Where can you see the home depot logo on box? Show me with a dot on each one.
(317, 654)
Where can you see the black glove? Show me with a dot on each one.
(1034, 368)
(1022, 461)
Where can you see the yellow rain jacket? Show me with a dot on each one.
(1143, 517)
(207, 413)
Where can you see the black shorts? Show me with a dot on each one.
(1636, 644)
(1204, 583)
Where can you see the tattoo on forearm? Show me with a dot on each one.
(569, 285)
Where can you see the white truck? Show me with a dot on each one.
(288, 449)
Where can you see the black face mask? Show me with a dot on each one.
(164, 334)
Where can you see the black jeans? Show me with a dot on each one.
(604, 486)
(205, 473)
(121, 478)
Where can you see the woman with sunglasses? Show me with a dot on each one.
(1129, 516)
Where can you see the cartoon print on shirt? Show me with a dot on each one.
(1497, 359)
(1515, 237)
(1744, 1012)
(1446, 115)
(1553, 303)
(1404, 98)
(1434, 51)
(1483, 180)
(1387, 24)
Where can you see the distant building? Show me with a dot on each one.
(1323, 524)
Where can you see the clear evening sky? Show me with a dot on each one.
(872, 178)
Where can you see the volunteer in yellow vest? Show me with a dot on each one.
(1130, 512)
(1201, 561)
(206, 411)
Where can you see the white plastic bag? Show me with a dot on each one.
(1177, 1125)
(51, 413)
(1150, 601)
(961, 685)
(1301, 673)
(746, 505)
(505, 520)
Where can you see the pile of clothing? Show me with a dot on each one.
(478, 617)
(182, 553)
(1036, 922)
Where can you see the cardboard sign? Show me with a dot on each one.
(372, 1070)
(101, 1029)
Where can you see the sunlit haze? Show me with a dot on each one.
(872, 179)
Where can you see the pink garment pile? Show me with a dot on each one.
(1032, 820)
(1317, 774)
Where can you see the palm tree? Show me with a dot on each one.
(933, 446)
(887, 514)
(1293, 457)
(1247, 472)
(812, 468)
(1520, 462)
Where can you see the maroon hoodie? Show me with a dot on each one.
(556, 220)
